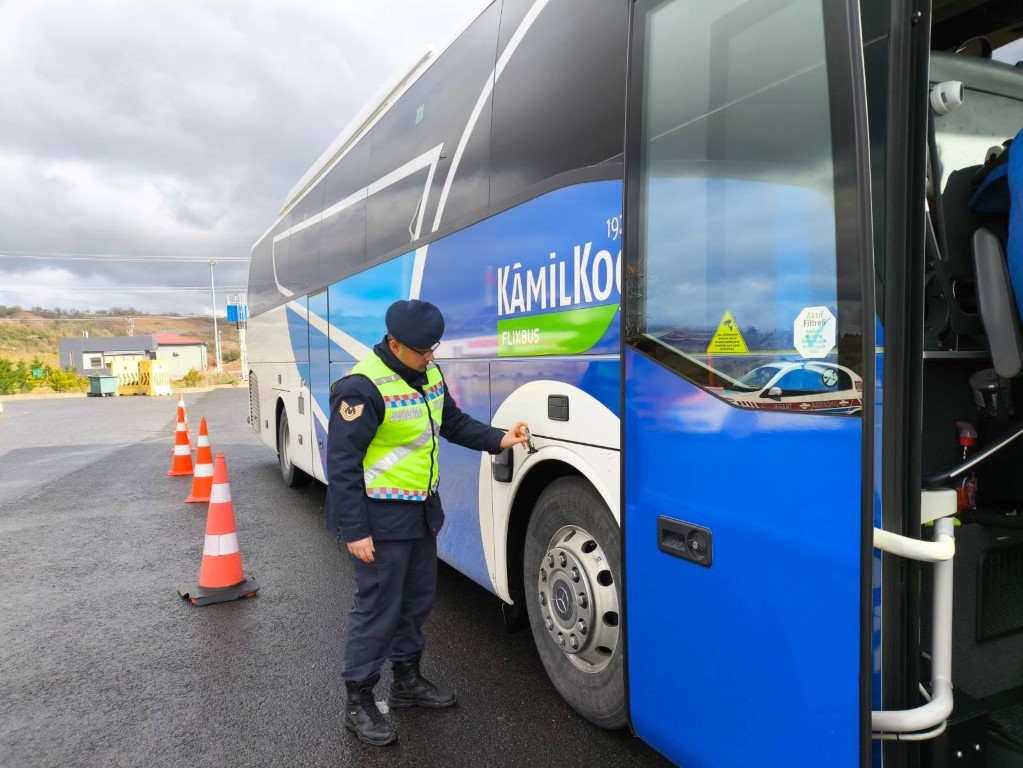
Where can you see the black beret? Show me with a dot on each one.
(415, 323)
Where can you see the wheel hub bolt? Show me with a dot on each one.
(561, 640)
(581, 626)
(549, 623)
(543, 576)
(550, 560)
(582, 600)
(562, 559)
(575, 574)
(543, 598)
(573, 642)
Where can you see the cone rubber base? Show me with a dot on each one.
(198, 595)
(179, 473)
(195, 499)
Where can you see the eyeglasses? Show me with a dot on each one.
(425, 352)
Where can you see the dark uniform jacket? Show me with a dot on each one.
(351, 514)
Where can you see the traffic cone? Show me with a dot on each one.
(183, 416)
(202, 480)
(181, 463)
(220, 576)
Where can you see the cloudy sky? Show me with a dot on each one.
(163, 129)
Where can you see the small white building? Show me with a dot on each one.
(182, 353)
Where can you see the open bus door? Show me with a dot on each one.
(748, 383)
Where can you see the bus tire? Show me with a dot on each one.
(572, 569)
(292, 476)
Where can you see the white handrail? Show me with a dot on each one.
(936, 711)
(942, 548)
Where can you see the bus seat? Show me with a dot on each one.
(950, 295)
(950, 300)
(1000, 318)
(998, 306)
(1001, 191)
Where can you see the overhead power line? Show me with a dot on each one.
(93, 317)
(113, 257)
(35, 289)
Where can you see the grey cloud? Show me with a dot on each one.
(176, 127)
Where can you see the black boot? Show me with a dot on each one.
(363, 717)
(410, 689)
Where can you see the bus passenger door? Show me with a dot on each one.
(747, 381)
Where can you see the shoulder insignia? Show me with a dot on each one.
(350, 412)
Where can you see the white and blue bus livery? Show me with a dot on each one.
(740, 267)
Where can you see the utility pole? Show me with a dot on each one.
(216, 334)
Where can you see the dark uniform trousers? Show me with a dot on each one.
(393, 597)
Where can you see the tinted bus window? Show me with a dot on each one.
(416, 142)
(558, 102)
(303, 262)
(343, 226)
(261, 286)
(269, 259)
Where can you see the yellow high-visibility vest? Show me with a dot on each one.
(401, 462)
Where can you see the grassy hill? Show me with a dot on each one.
(26, 334)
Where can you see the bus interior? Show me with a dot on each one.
(971, 409)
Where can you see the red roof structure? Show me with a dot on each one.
(170, 339)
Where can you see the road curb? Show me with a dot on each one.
(65, 395)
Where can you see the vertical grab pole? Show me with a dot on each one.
(941, 652)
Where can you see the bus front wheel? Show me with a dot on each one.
(572, 568)
(292, 476)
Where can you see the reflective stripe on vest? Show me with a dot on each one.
(402, 457)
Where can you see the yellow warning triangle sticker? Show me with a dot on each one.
(727, 338)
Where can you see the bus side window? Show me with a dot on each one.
(546, 125)
(343, 227)
(425, 128)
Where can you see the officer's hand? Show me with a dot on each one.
(515, 436)
(362, 549)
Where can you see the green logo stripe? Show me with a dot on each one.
(557, 333)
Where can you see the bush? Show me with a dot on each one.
(67, 381)
(226, 378)
(192, 378)
(15, 378)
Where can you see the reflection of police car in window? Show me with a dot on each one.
(801, 386)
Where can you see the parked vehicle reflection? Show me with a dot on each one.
(816, 386)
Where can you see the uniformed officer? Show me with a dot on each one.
(382, 448)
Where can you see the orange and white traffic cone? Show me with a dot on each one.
(202, 479)
(181, 464)
(220, 576)
(183, 416)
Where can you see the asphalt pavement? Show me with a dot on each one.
(103, 664)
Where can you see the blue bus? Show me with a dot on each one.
(745, 267)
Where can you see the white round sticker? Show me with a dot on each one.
(813, 333)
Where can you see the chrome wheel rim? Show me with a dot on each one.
(578, 599)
